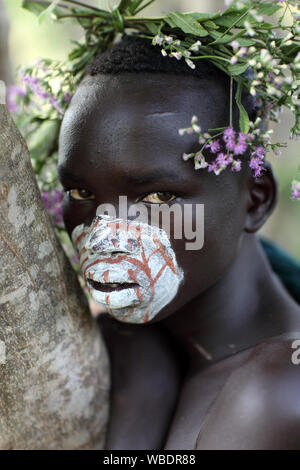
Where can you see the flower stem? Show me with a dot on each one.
(231, 100)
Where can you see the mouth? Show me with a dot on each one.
(111, 286)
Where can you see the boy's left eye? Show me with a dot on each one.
(81, 194)
(159, 197)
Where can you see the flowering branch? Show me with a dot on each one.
(236, 41)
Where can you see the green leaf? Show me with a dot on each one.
(268, 9)
(46, 13)
(210, 24)
(187, 24)
(36, 8)
(153, 28)
(228, 20)
(238, 69)
(123, 6)
(203, 16)
(220, 39)
(244, 121)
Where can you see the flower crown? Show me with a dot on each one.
(237, 40)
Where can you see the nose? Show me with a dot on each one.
(108, 237)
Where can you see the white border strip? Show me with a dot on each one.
(2, 92)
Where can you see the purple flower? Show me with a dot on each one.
(223, 160)
(296, 190)
(67, 97)
(229, 137)
(214, 146)
(241, 147)
(236, 165)
(53, 203)
(257, 166)
(214, 166)
(260, 151)
(230, 145)
(12, 94)
(228, 134)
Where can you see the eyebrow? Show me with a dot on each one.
(158, 175)
(147, 178)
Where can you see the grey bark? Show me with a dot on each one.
(54, 370)
(5, 71)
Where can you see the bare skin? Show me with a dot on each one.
(179, 381)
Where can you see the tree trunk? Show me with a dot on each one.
(5, 71)
(54, 374)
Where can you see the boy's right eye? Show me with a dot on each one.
(81, 194)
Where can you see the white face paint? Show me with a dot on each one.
(130, 267)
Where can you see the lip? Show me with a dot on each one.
(111, 286)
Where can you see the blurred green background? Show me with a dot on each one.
(29, 40)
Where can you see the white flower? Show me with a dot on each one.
(158, 40)
(200, 162)
(242, 52)
(195, 47)
(194, 119)
(164, 53)
(177, 55)
(169, 39)
(187, 53)
(233, 60)
(187, 156)
(235, 45)
(196, 128)
(191, 64)
(265, 56)
(250, 30)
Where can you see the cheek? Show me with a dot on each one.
(223, 227)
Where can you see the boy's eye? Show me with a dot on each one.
(81, 194)
(159, 198)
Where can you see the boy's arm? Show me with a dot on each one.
(258, 408)
(145, 384)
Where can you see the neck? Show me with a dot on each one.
(246, 306)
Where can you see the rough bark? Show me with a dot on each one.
(54, 375)
(5, 71)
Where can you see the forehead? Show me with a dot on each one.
(133, 119)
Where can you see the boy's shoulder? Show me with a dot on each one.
(258, 407)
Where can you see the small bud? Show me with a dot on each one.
(169, 39)
(191, 64)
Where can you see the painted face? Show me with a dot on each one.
(120, 137)
(129, 267)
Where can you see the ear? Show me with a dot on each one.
(262, 199)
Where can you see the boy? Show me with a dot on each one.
(211, 367)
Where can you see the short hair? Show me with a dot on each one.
(134, 54)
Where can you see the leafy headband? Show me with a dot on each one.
(234, 41)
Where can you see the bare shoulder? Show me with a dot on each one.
(258, 407)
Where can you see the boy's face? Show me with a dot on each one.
(120, 138)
